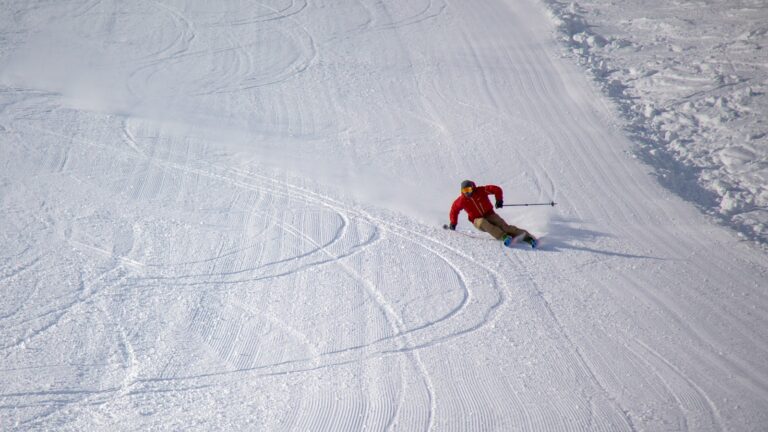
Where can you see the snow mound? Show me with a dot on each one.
(693, 92)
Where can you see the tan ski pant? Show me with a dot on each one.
(494, 225)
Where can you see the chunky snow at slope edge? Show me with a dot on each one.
(226, 215)
(692, 78)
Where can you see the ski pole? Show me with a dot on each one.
(551, 203)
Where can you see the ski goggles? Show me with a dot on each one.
(468, 189)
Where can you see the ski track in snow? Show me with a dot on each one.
(186, 245)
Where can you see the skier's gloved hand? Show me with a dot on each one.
(452, 227)
(499, 203)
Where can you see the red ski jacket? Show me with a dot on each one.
(478, 205)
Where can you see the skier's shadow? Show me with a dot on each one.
(564, 232)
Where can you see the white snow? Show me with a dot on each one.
(227, 216)
(691, 78)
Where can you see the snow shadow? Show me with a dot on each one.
(569, 234)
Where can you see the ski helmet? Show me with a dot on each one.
(467, 187)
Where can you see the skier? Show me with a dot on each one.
(475, 201)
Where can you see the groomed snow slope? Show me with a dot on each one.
(223, 216)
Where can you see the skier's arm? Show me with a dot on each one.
(496, 192)
(455, 209)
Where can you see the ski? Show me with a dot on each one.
(513, 241)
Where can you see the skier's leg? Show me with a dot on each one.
(484, 225)
(512, 230)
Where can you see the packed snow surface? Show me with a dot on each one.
(227, 216)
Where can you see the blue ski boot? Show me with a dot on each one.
(510, 241)
(532, 241)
